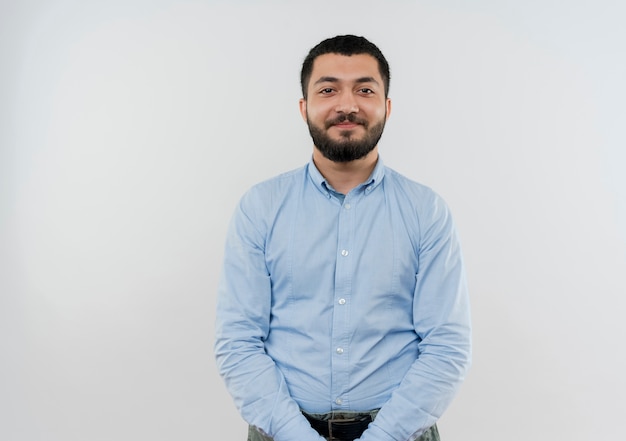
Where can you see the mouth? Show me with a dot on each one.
(347, 122)
(346, 125)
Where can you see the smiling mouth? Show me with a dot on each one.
(345, 122)
(346, 125)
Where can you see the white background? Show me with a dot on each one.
(129, 130)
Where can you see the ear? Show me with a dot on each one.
(388, 105)
(302, 104)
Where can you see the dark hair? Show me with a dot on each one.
(344, 45)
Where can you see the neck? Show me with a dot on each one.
(344, 176)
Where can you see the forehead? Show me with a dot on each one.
(345, 67)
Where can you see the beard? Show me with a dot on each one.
(347, 148)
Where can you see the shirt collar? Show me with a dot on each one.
(370, 183)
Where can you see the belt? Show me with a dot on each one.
(344, 429)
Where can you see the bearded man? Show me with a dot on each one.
(343, 310)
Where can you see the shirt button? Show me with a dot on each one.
(344, 253)
(339, 401)
(347, 206)
(342, 301)
(340, 351)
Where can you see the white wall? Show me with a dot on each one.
(129, 129)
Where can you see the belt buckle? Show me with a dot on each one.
(338, 421)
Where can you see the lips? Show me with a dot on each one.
(346, 122)
(346, 125)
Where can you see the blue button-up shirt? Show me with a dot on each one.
(342, 303)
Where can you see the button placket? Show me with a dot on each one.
(343, 289)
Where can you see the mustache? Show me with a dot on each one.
(351, 117)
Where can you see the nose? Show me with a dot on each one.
(346, 103)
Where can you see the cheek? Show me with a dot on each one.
(317, 114)
(381, 113)
(374, 110)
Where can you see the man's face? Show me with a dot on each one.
(346, 108)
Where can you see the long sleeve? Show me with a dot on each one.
(441, 318)
(258, 387)
(342, 304)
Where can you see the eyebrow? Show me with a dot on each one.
(336, 80)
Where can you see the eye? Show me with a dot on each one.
(366, 91)
(326, 90)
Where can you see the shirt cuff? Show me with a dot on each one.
(298, 429)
